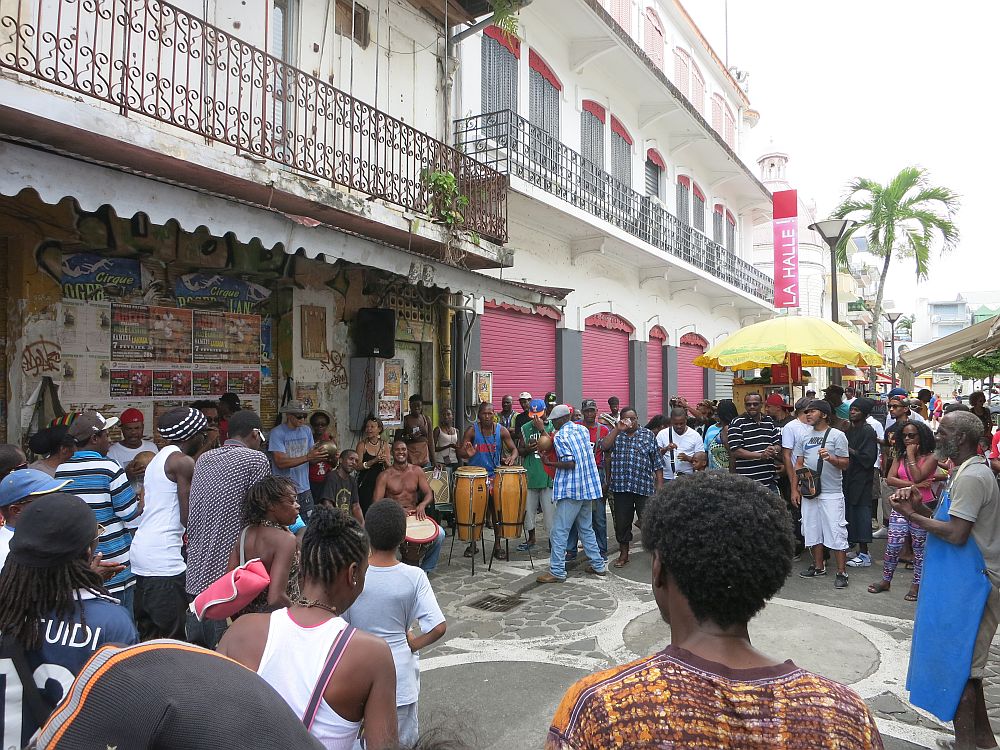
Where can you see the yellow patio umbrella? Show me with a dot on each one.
(821, 343)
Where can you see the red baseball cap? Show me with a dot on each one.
(775, 399)
(132, 416)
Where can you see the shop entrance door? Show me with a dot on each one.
(409, 353)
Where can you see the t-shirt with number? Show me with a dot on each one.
(688, 442)
(808, 446)
(67, 644)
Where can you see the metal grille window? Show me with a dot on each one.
(717, 222)
(592, 138)
(730, 232)
(653, 175)
(543, 104)
(621, 159)
(698, 210)
(683, 203)
(499, 90)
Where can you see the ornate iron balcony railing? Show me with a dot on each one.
(151, 58)
(512, 145)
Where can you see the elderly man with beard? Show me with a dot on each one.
(970, 507)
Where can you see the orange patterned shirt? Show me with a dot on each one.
(675, 699)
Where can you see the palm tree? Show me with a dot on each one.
(901, 219)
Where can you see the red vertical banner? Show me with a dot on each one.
(786, 248)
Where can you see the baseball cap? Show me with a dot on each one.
(775, 399)
(536, 408)
(588, 403)
(295, 407)
(88, 424)
(560, 410)
(802, 404)
(820, 405)
(551, 398)
(25, 483)
(898, 392)
(52, 531)
(524, 395)
(834, 388)
(132, 416)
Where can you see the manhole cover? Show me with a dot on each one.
(497, 602)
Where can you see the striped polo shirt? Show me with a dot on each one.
(753, 436)
(102, 483)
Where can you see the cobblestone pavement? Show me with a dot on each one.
(553, 634)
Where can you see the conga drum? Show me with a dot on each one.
(470, 502)
(510, 495)
(420, 537)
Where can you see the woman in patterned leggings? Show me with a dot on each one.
(914, 466)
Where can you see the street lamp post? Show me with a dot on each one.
(892, 318)
(832, 231)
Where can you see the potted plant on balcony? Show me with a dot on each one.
(447, 206)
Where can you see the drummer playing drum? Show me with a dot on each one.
(404, 483)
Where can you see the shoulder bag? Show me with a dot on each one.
(234, 590)
(808, 481)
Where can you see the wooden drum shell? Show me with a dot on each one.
(470, 499)
(510, 496)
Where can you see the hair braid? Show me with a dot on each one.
(262, 496)
(29, 594)
(333, 540)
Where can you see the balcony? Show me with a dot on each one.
(510, 144)
(150, 58)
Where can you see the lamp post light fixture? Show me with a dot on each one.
(832, 231)
(892, 317)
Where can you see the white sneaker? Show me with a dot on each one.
(862, 560)
(882, 533)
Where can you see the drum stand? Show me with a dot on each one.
(481, 539)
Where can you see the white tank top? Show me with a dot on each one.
(292, 661)
(156, 546)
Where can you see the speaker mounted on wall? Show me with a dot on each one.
(375, 332)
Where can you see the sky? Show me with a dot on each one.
(860, 88)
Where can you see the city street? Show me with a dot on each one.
(497, 677)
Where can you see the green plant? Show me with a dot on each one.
(505, 16)
(447, 203)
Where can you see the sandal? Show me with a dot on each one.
(910, 597)
(878, 587)
(499, 554)
(909, 565)
(621, 562)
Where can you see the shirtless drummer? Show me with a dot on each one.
(404, 483)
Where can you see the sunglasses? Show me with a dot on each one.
(14, 468)
(300, 416)
(100, 532)
(895, 406)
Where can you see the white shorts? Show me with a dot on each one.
(824, 521)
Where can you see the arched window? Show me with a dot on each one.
(723, 120)
(592, 121)
(499, 75)
(697, 89)
(730, 232)
(682, 71)
(621, 152)
(718, 219)
(653, 37)
(655, 168)
(697, 207)
(684, 199)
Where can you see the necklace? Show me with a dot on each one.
(303, 602)
(376, 441)
(271, 524)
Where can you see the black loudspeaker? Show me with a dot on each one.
(375, 333)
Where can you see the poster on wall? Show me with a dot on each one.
(85, 326)
(170, 333)
(215, 290)
(308, 393)
(131, 382)
(226, 338)
(174, 382)
(393, 374)
(390, 411)
(244, 382)
(89, 276)
(130, 340)
(209, 382)
(85, 377)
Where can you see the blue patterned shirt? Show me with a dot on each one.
(583, 482)
(634, 461)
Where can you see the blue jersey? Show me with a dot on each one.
(487, 453)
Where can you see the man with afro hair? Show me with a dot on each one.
(710, 687)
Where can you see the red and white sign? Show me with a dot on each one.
(786, 249)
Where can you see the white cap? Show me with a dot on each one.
(560, 410)
(524, 394)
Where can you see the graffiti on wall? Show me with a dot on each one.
(41, 357)
(333, 363)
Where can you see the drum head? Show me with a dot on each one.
(511, 470)
(470, 471)
(420, 532)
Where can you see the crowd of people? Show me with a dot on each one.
(106, 544)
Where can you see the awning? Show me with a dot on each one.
(978, 339)
(56, 177)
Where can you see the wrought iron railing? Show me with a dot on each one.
(512, 145)
(151, 58)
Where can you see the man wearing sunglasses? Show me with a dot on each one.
(17, 490)
(292, 448)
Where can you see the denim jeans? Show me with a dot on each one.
(127, 599)
(430, 560)
(600, 518)
(161, 606)
(568, 513)
(204, 633)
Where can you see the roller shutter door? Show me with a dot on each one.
(690, 377)
(654, 377)
(605, 365)
(520, 349)
(723, 385)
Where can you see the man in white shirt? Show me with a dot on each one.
(17, 490)
(790, 435)
(681, 448)
(132, 442)
(899, 411)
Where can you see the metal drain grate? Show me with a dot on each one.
(497, 602)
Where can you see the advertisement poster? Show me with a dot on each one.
(209, 382)
(171, 382)
(309, 393)
(244, 382)
(393, 374)
(130, 341)
(128, 383)
(213, 290)
(170, 332)
(390, 411)
(786, 249)
(226, 338)
(85, 377)
(85, 326)
(266, 346)
(88, 276)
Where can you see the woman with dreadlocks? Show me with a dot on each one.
(269, 508)
(309, 648)
(54, 610)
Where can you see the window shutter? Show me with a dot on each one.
(729, 132)
(717, 222)
(697, 89)
(499, 87)
(592, 138)
(621, 10)
(682, 71)
(653, 37)
(653, 172)
(717, 124)
(621, 159)
(683, 203)
(730, 232)
(698, 210)
(543, 103)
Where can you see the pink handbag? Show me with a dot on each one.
(232, 591)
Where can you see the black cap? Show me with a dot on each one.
(588, 403)
(820, 405)
(53, 530)
(551, 398)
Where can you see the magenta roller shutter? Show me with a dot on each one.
(654, 373)
(520, 349)
(690, 377)
(606, 359)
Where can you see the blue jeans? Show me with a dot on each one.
(127, 599)
(430, 560)
(204, 633)
(600, 518)
(568, 513)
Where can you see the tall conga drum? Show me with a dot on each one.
(470, 500)
(510, 495)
